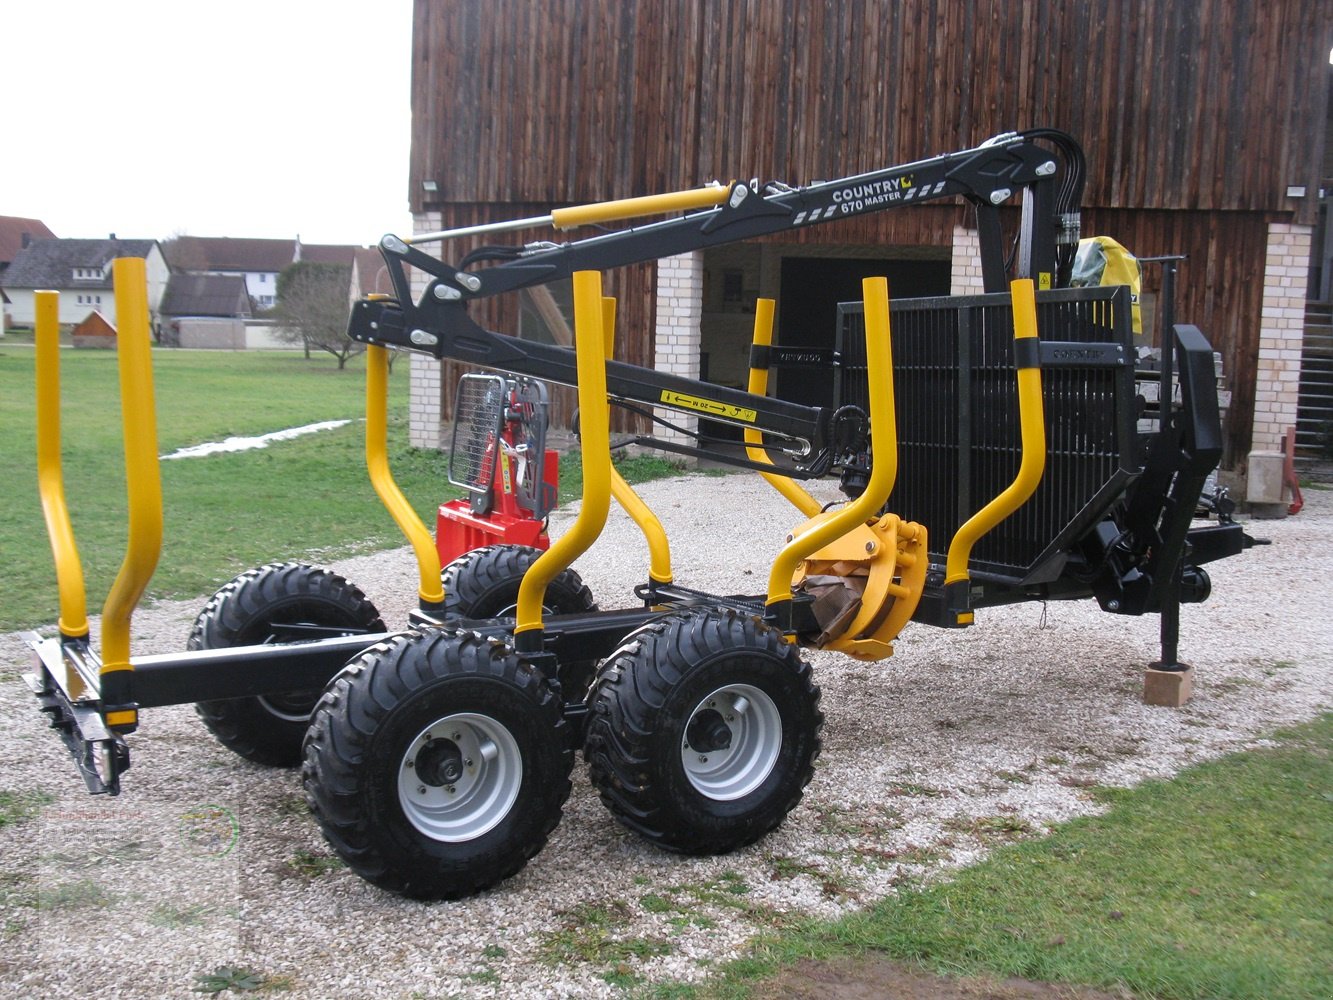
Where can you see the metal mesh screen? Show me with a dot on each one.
(478, 412)
(958, 427)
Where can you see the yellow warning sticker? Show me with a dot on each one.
(709, 406)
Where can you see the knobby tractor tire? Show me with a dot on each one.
(484, 583)
(703, 731)
(437, 763)
(269, 730)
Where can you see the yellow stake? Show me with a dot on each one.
(884, 431)
(754, 438)
(143, 478)
(50, 478)
(659, 549)
(595, 448)
(430, 591)
(1032, 431)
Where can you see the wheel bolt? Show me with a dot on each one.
(468, 762)
(449, 789)
(703, 759)
(421, 789)
(731, 718)
(409, 763)
(457, 737)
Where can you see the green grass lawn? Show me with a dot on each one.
(223, 513)
(1217, 884)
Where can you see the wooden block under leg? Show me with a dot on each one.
(1169, 688)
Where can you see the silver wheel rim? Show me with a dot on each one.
(753, 736)
(490, 771)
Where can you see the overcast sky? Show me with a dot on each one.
(149, 118)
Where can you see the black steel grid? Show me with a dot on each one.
(958, 425)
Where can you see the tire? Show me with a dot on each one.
(403, 721)
(269, 730)
(703, 731)
(483, 584)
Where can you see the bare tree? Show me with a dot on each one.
(314, 301)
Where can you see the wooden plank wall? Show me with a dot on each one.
(1219, 289)
(1202, 104)
(1195, 115)
(632, 287)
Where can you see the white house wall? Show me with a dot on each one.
(22, 309)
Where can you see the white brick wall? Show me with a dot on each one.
(1281, 330)
(425, 393)
(966, 277)
(680, 296)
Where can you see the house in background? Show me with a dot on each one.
(80, 270)
(337, 254)
(258, 261)
(15, 234)
(206, 310)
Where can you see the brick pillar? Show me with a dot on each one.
(426, 389)
(1281, 331)
(680, 296)
(966, 276)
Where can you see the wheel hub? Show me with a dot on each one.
(439, 763)
(708, 732)
(731, 742)
(460, 776)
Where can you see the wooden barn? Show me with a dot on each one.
(1203, 122)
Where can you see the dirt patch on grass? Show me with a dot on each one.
(879, 979)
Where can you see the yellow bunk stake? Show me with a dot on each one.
(858, 517)
(50, 477)
(883, 554)
(595, 448)
(754, 439)
(659, 549)
(430, 592)
(1032, 427)
(143, 480)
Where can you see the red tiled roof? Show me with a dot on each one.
(12, 230)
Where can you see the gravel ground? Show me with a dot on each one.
(960, 740)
